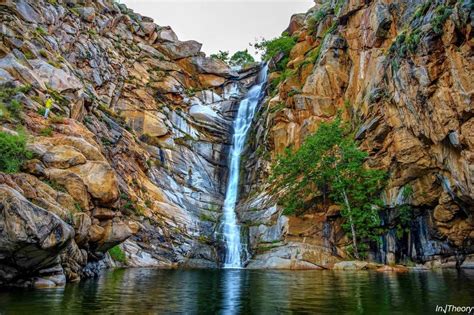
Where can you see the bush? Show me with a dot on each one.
(10, 107)
(13, 152)
(442, 13)
(117, 254)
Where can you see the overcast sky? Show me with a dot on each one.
(222, 24)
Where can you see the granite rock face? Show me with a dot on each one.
(400, 73)
(135, 145)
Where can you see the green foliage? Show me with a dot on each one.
(317, 17)
(117, 254)
(11, 108)
(405, 212)
(278, 107)
(422, 9)
(148, 203)
(285, 74)
(441, 14)
(46, 132)
(41, 31)
(294, 91)
(221, 55)
(206, 217)
(278, 46)
(329, 163)
(241, 58)
(13, 152)
(53, 184)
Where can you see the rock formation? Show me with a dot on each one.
(400, 72)
(134, 149)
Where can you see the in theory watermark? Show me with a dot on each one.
(449, 308)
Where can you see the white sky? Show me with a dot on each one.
(222, 24)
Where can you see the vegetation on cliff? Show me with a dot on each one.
(277, 49)
(239, 58)
(329, 164)
(13, 152)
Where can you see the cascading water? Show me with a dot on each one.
(242, 122)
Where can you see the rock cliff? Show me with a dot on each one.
(401, 73)
(133, 150)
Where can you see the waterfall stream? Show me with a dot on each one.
(242, 123)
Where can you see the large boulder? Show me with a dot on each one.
(178, 50)
(31, 238)
(214, 66)
(100, 180)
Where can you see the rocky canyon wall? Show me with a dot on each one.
(134, 149)
(401, 74)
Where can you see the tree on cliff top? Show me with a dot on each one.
(329, 163)
(241, 58)
(221, 55)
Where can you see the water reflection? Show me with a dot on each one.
(234, 291)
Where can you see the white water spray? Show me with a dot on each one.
(242, 123)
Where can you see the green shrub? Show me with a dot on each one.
(13, 152)
(221, 55)
(117, 254)
(9, 106)
(46, 132)
(442, 13)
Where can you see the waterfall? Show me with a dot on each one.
(242, 123)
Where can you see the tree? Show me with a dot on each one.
(221, 55)
(330, 165)
(241, 58)
(278, 47)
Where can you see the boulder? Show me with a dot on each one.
(100, 180)
(114, 233)
(179, 50)
(103, 214)
(145, 122)
(166, 34)
(87, 13)
(203, 113)
(31, 238)
(63, 157)
(212, 66)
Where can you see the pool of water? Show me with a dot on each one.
(148, 291)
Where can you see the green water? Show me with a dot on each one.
(147, 291)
